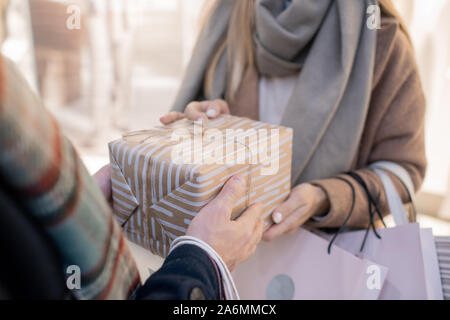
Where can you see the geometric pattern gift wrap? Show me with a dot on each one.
(162, 177)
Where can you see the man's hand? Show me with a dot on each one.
(103, 178)
(235, 241)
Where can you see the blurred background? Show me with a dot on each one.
(107, 66)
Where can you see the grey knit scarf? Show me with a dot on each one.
(328, 43)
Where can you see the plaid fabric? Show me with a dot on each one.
(42, 168)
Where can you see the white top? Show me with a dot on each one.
(274, 96)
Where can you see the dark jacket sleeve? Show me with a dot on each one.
(188, 273)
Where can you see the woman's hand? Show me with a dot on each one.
(103, 178)
(304, 202)
(235, 241)
(196, 111)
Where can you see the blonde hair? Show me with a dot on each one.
(239, 43)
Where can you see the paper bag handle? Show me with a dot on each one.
(395, 203)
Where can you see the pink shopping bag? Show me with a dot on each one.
(407, 251)
(298, 266)
(400, 250)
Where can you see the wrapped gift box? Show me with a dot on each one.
(162, 177)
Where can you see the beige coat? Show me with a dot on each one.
(394, 129)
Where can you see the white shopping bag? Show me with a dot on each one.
(298, 266)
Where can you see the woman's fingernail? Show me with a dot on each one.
(200, 119)
(277, 217)
(211, 113)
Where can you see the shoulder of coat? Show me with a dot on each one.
(394, 50)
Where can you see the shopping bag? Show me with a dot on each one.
(407, 251)
(400, 250)
(298, 266)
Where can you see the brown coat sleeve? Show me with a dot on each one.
(394, 132)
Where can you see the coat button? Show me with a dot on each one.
(196, 294)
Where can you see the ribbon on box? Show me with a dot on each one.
(159, 131)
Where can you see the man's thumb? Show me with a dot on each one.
(233, 190)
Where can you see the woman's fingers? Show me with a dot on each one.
(291, 223)
(194, 111)
(221, 106)
(198, 111)
(304, 201)
(171, 117)
(286, 208)
(205, 110)
(212, 109)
